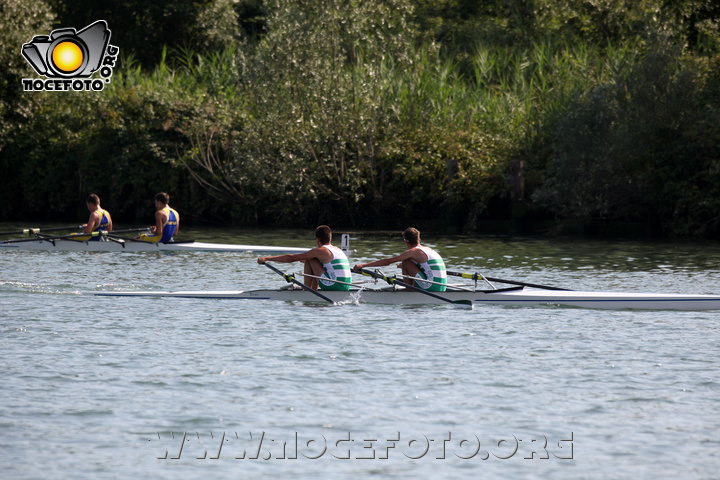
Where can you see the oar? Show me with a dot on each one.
(50, 238)
(119, 240)
(115, 238)
(395, 281)
(127, 230)
(340, 282)
(477, 276)
(456, 288)
(32, 231)
(37, 238)
(103, 233)
(290, 278)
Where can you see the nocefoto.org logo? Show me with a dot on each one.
(68, 58)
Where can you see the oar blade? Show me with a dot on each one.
(464, 303)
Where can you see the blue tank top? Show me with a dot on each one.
(171, 225)
(104, 220)
(102, 226)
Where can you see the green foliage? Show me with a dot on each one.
(696, 22)
(122, 143)
(448, 176)
(145, 28)
(19, 22)
(216, 26)
(459, 24)
(314, 97)
(374, 113)
(645, 147)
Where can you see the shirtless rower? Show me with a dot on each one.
(325, 261)
(418, 263)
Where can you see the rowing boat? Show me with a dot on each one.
(135, 246)
(505, 296)
(108, 242)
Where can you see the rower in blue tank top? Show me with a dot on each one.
(326, 267)
(167, 221)
(421, 265)
(99, 220)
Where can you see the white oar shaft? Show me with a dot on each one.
(327, 279)
(430, 281)
(487, 281)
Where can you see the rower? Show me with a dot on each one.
(167, 221)
(99, 221)
(324, 264)
(417, 262)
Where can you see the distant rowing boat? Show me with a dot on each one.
(134, 246)
(506, 296)
(111, 242)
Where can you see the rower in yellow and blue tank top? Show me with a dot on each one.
(326, 267)
(167, 221)
(421, 264)
(170, 227)
(99, 220)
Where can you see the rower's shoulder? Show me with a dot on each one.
(416, 253)
(425, 253)
(323, 252)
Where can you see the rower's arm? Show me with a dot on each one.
(159, 222)
(109, 225)
(92, 223)
(290, 257)
(386, 261)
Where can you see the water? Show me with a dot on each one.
(100, 387)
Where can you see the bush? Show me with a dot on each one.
(350, 113)
(632, 150)
(19, 22)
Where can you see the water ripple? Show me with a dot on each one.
(98, 385)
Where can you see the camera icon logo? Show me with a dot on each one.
(67, 53)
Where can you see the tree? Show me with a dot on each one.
(314, 94)
(19, 22)
(145, 28)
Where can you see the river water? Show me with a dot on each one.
(100, 387)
